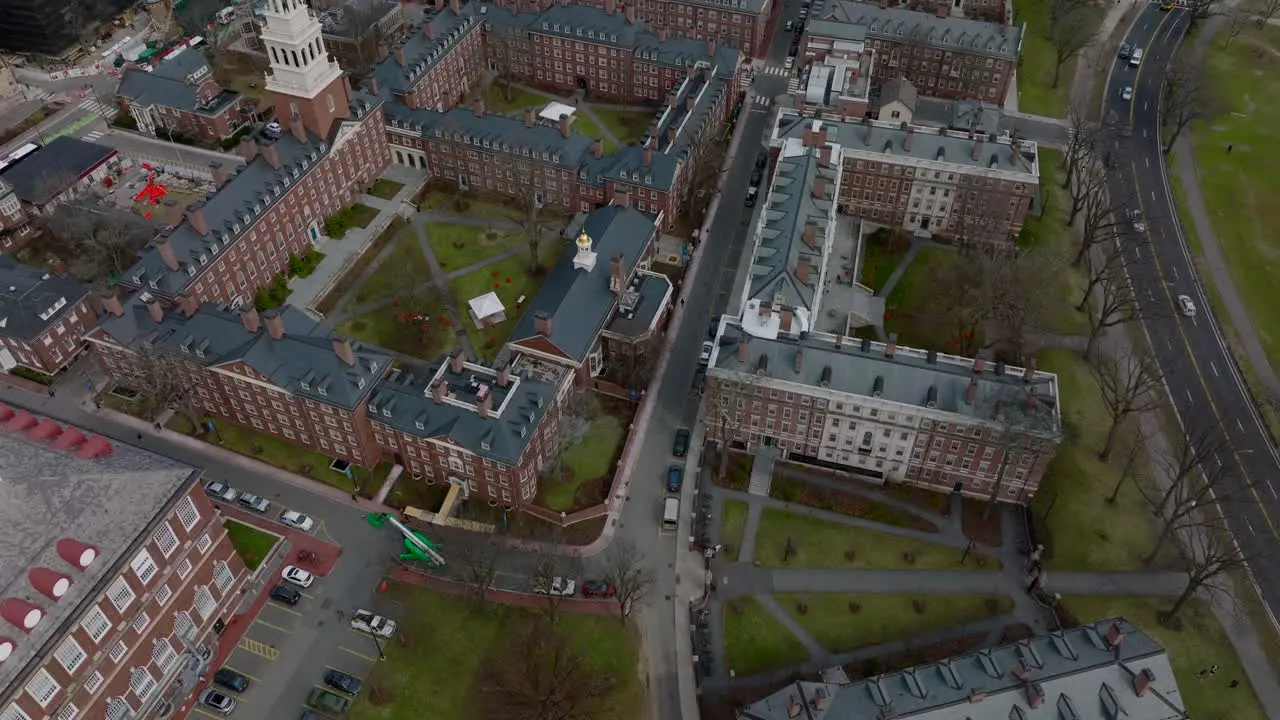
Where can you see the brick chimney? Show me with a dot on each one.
(438, 391)
(977, 148)
(824, 156)
(274, 321)
(220, 173)
(1142, 681)
(941, 10)
(154, 309)
(980, 363)
(195, 216)
(269, 152)
(189, 304)
(799, 363)
(621, 196)
(891, 347)
(167, 255)
(617, 283)
(383, 51)
(429, 29)
(811, 234)
(803, 267)
(1115, 636)
(251, 319)
(765, 311)
(971, 392)
(484, 401)
(742, 349)
(504, 375)
(477, 107)
(1029, 372)
(711, 47)
(248, 149)
(911, 133)
(342, 348)
(456, 360)
(1031, 399)
(439, 4)
(1035, 695)
(542, 323)
(648, 155)
(298, 129)
(820, 188)
(808, 134)
(111, 302)
(691, 102)
(564, 124)
(671, 135)
(597, 148)
(400, 57)
(785, 316)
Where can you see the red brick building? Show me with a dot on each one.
(16, 227)
(178, 94)
(111, 602)
(43, 318)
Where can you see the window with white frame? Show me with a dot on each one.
(183, 626)
(13, 712)
(143, 566)
(142, 683)
(166, 539)
(204, 542)
(96, 624)
(222, 576)
(42, 687)
(69, 712)
(141, 622)
(69, 655)
(187, 513)
(93, 682)
(163, 594)
(118, 651)
(205, 604)
(118, 709)
(163, 654)
(121, 595)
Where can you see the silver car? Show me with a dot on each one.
(256, 503)
(217, 701)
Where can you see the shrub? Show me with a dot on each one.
(32, 375)
(850, 555)
(918, 606)
(855, 607)
(125, 121)
(231, 142)
(802, 608)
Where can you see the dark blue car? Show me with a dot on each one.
(675, 478)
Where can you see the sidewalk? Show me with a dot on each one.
(1086, 64)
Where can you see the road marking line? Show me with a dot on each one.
(1239, 424)
(230, 667)
(1272, 489)
(345, 672)
(1214, 368)
(273, 627)
(357, 654)
(1189, 398)
(281, 608)
(1248, 525)
(258, 648)
(206, 714)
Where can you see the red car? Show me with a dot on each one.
(598, 588)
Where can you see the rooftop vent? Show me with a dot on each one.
(44, 430)
(6, 648)
(50, 583)
(21, 422)
(78, 554)
(21, 614)
(95, 447)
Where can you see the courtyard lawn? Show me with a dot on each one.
(591, 458)
(733, 521)
(755, 641)
(1239, 187)
(387, 327)
(629, 126)
(882, 252)
(511, 280)
(459, 246)
(584, 124)
(385, 189)
(1035, 65)
(825, 544)
(353, 273)
(1200, 643)
(433, 665)
(496, 99)
(171, 209)
(251, 544)
(1085, 531)
(489, 208)
(908, 306)
(831, 618)
(403, 270)
(1049, 233)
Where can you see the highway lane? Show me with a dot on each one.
(1203, 382)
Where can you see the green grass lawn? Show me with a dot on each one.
(385, 189)
(825, 544)
(433, 671)
(488, 208)
(755, 641)
(830, 619)
(908, 305)
(493, 278)
(362, 215)
(383, 327)
(1199, 644)
(733, 522)
(584, 124)
(591, 458)
(404, 269)
(629, 126)
(434, 200)
(881, 254)
(1240, 187)
(458, 246)
(1086, 532)
(251, 544)
(1035, 66)
(497, 100)
(1049, 234)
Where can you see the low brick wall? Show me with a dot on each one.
(505, 597)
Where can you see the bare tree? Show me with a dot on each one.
(101, 242)
(1069, 36)
(551, 570)
(725, 417)
(1088, 185)
(1193, 450)
(1080, 147)
(1238, 21)
(478, 554)
(1211, 559)
(1201, 9)
(1107, 261)
(538, 675)
(1013, 283)
(1187, 501)
(1187, 97)
(1113, 304)
(1015, 439)
(626, 572)
(633, 367)
(1136, 446)
(1103, 214)
(529, 191)
(1265, 11)
(705, 162)
(958, 307)
(1129, 385)
(1060, 10)
(163, 382)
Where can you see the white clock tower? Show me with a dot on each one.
(304, 81)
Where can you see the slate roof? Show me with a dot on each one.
(166, 84)
(1077, 674)
(48, 494)
(55, 167)
(898, 24)
(983, 117)
(421, 52)
(578, 302)
(900, 90)
(911, 377)
(302, 363)
(545, 142)
(651, 291)
(779, 243)
(231, 211)
(403, 400)
(32, 300)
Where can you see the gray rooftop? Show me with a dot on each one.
(233, 210)
(927, 143)
(898, 24)
(174, 82)
(404, 401)
(302, 363)
(578, 301)
(900, 90)
(544, 142)
(976, 115)
(422, 52)
(48, 494)
(55, 167)
(1093, 672)
(912, 377)
(31, 300)
(646, 296)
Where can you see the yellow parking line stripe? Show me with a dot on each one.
(258, 648)
(232, 667)
(344, 672)
(206, 714)
(358, 654)
(273, 627)
(282, 608)
(306, 594)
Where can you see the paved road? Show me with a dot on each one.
(1202, 378)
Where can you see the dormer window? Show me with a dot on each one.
(305, 385)
(191, 270)
(484, 445)
(204, 259)
(235, 228)
(360, 383)
(155, 284)
(386, 412)
(418, 424)
(324, 391)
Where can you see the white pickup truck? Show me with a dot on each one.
(365, 621)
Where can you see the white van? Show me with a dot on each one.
(671, 514)
(1135, 59)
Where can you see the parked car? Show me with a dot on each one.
(297, 520)
(308, 715)
(339, 680)
(220, 703)
(1125, 49)
(560, 587)
(597, 588)
(231, 680)
(699, 380)
(762, 160)
(675, 478)
(752, 193)
(297, 576)
(789, 26)
(1186, 306)
(790, 63)
(681, 446)
(328, 701)
(221, 491)
(708, 347)
(286, 595)
(757, 176)
(365, 621)
(1126, 93)
(253, 502)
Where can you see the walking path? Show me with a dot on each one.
(441, 282)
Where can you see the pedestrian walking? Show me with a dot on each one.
(139, 436)
(1213, 670)
(1233, 684)
(355, 498)
(681, 305)
(97, 404)
(1229, 149)
(156, 426)
(51, 392)
(1202, 674)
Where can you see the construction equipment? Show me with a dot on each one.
(417, 546)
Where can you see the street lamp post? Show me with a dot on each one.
(378, 644)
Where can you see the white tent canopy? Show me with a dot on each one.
(486, 307)
(554, 110)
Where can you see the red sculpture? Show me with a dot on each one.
(153, 191)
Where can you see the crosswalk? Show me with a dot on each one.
(93, 106)
(46, 97)
(94, 135)
(793, 85)
(762, 101)
(771, 69)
